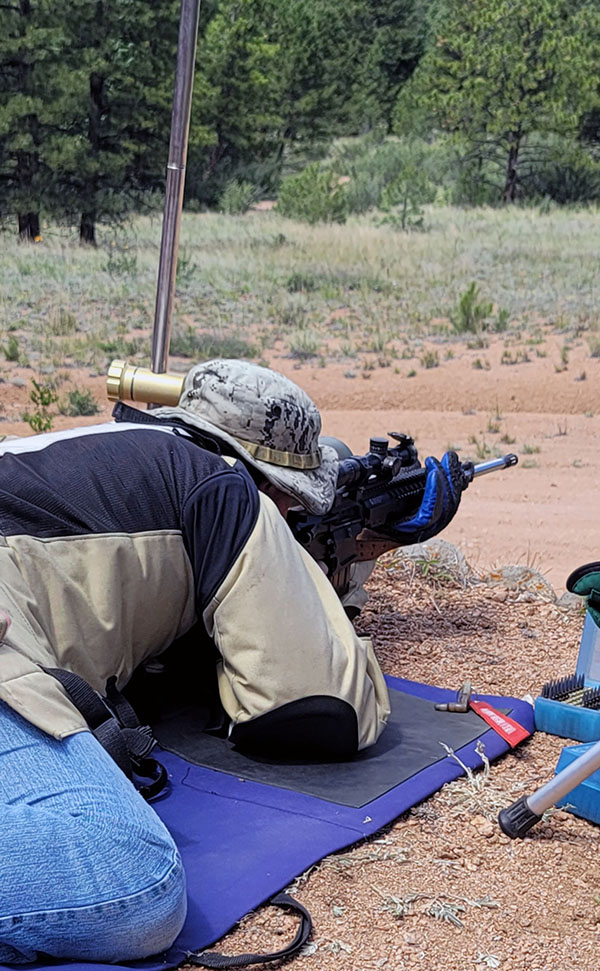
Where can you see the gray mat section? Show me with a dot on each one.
(410, 743)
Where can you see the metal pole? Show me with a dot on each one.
(180, 125)
(565, 781)
(517, 819)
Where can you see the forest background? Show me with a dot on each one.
(332, 107)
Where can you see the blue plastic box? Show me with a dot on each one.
(574, 721)
(584, 799)
(568, 721)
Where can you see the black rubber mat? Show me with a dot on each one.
(410, 743)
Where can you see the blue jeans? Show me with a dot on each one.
(87, 869)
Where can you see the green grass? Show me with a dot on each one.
(250, 280)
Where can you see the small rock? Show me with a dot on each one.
(411, 939)
(18, 382)
(569, 600)
(484, 826)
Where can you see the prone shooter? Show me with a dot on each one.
(384, 499)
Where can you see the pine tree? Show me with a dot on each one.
(342, 64)
(112, 117)
(237, 93)
(393, 34)
(498, 71)
(29, 48)
(322, 50)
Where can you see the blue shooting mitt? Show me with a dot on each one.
(444, 486)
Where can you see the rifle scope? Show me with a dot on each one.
(358, 469)
(126, 382)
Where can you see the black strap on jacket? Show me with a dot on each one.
(114, 723)
(214, 959)
(123, 412)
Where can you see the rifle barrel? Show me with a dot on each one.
(482, 468)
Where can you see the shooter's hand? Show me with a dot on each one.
(443, 489)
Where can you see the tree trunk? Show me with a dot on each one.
(29, 226)
(27, 163)
(87, 225)
(512, 178)
(87, 229)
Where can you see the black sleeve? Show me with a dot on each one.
(218, 517)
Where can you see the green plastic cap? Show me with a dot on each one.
(585, 582)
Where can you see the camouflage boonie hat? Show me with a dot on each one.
(268, 420)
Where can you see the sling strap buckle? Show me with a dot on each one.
(112, 720)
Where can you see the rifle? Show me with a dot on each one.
(373, 492)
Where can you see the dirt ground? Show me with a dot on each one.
(525, 906)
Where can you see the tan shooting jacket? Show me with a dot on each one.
(115, 539)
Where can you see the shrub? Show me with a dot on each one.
(121, 347)
(560, 170)
(430, 359)
(62, 322)
(203, 346)
(594, 346)
(371, 163)
(11, 349)
(120, 262)
(304, 344)
(312, 196)
(79, 403)
(382, 171)
(42, 396)
(301, 282)
(502, 319)
(237, 197)
(186, 269)
(470, 314)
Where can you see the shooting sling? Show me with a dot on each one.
(114, 723)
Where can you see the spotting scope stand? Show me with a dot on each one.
(518, 819)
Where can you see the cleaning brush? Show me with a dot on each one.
(591, 698)
(569, 689)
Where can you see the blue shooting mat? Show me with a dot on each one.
(244, 838)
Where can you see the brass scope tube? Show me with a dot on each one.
(126, 382)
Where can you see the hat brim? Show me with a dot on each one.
(313, 488)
